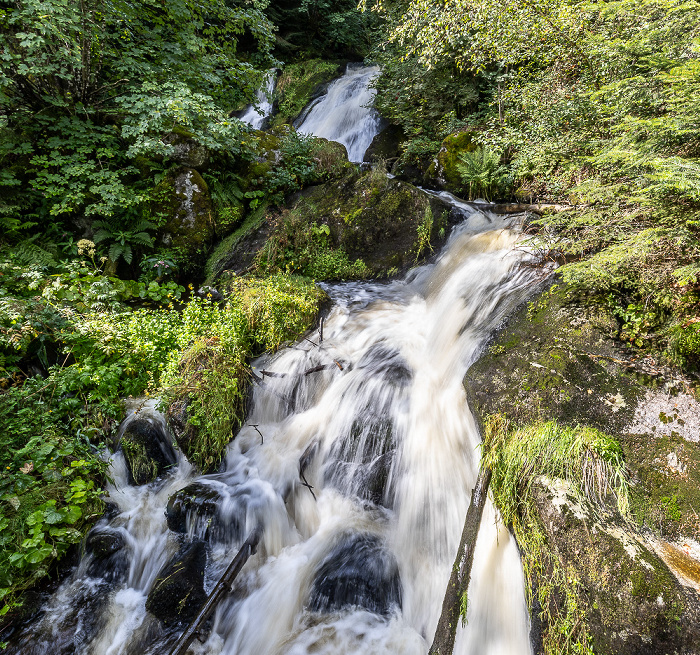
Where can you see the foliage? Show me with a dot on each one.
(49, 483)
(482, 173)
(321, 27)
(209, 372)
(592, 105)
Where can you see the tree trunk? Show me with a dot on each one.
(452, 606)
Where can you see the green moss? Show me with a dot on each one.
(217, 259)
(448, 159)
(296, 85)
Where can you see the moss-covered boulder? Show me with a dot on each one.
(633, 604)
(187, 151)
(147, 450)
(443, 171)
(625, 583)
(363, 225)
(178, 592)
(184, 199)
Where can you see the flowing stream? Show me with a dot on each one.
(345, 113)
(375, 417)
(256, 115)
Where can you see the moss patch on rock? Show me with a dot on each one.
(385, 224)
(300, 83)
(443, 172)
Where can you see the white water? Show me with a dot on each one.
(257, 113)
(344, 114)
(363, 567)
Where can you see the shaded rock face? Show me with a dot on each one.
(147, 450)
(636, 605)
(186, 200)
(359, 572)
(196, 510)
(178, 593)
(386, 145)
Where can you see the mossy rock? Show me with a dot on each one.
(178, 592)
(184, 198)
(557, 359)
(187, 151)
(633, 604)
(331, 159)
(300, 83)
(376, 219)
(147, 450)
(443, 171)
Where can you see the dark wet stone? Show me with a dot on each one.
(147, 449)
(195, 503)
(178, 593)
(103, 543)
(359, 572)
(387, 362)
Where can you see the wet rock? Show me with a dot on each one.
(147, 450)
(194, 506)
(358, 572)
(102, 543)
(178, 593)
(386, 145)
(387, 362)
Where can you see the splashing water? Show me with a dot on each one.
(344, 114)
(359, 467)
(256, 115)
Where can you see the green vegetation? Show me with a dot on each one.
(209, 374)
(587, 104)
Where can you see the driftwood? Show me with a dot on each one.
(223, 587)
(516, 208)
(453, 606)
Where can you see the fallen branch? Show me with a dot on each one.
(454, 605)
(222, 588)
(516, 208)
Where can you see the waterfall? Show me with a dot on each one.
(344, 113)
(358, 458)
(257, 114)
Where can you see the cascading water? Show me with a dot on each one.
(257, 114)
(344, 113)
(357, 459)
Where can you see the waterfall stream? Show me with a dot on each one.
(357, 561)
(257, 114)
(344, 113)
